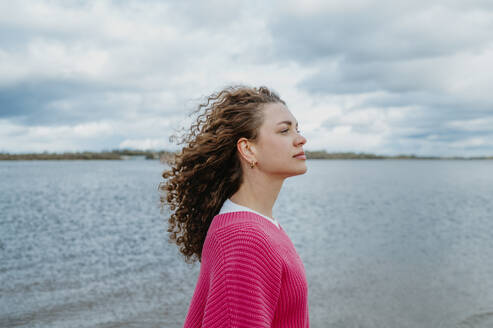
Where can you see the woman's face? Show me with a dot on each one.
(278, 142)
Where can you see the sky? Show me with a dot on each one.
(383, 77)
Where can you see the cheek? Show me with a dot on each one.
(276, 149)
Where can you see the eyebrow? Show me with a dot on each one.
(287, 122)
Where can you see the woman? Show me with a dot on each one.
(221, 190)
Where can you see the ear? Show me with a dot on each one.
(246, 149)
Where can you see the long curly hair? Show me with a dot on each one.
(208, 170)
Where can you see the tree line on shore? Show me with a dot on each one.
(163, 155)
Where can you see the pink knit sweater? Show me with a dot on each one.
(250, 276)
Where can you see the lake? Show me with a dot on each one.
(385, 243)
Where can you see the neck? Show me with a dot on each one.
(258, 192)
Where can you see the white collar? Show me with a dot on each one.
(229, 206)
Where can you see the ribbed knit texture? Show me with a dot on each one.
(250, 276)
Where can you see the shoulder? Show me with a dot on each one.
(242, 238)
(242, 253)
(242, 233)
(239, 220)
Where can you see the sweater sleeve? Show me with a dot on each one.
(245, 279)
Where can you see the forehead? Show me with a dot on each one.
(276, 113)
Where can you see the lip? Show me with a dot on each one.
(300, 155)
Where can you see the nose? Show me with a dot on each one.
(301, 140)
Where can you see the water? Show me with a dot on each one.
(385, 243)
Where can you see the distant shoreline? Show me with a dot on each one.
(163, 155)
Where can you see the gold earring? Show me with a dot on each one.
(252, 164)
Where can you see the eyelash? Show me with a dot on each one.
(288, 130)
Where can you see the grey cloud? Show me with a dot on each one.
(380, 32)
(442, 104)
(29, 103)
(389, 49)
(54, 102)
(345, 77)
(444, 135)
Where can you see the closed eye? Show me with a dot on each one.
(288, 130)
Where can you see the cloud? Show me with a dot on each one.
(53, 138)
(368, 31)
(379, 76)
(146, 144)
(474, 125)
(431, 58)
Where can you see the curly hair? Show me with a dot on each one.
(208, 170)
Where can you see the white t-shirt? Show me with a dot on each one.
(229, 206)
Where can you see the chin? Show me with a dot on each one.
(299, 171)
(304, 170)
(286, 172)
